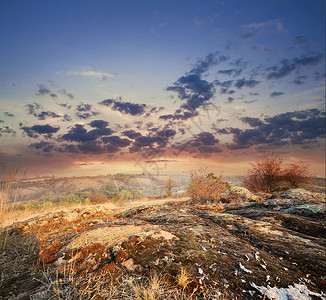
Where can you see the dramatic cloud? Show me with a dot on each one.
(287, 66)
(299, 127)
(133, 109)
(194, 91)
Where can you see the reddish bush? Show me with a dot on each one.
(269, 174)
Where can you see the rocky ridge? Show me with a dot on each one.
(274, 248)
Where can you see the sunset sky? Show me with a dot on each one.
(103, 86)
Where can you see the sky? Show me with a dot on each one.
(160, 87)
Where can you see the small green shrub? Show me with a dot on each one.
(206, 187)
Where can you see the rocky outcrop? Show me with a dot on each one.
(243, 250)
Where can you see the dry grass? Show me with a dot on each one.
(206, 187)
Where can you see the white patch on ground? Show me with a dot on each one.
(297, 291)
(243, 268)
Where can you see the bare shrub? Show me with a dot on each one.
(269, 174)
(206, 187)
(169, 185)
(97, 197)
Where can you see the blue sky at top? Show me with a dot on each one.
(60, 60)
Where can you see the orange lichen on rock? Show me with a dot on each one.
(49, 255)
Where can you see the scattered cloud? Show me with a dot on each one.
(84, 111)
(36, 130)
(65, 93)
(95, 74)
(133, 109)
(299, 127)
(8, 114)
(32, 109)
(299, 80)
(251, 30)
(276, 94)
(288, 66)
(194, 91)
(240, 83)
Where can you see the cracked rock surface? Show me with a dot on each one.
(249, 248)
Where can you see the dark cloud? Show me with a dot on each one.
(33, 108)
(287, 66)
(86, 115)
(47, 114)
(66, 118)
(84, 111)
(231, 72)
(131, 134)
(43, 90)
(116, 141)
(240, 83)
(276, 94)
(133, 109)
(8, 114)
(44, 146)
(299, 127)
(253, 122)
(91, 148)
(36, 130)
(154, 144)
(210, 60)
(82, 107)
(192, 90)
(203, 143)
(65, 105)
(4, 130)
(68, 148)
(250, 101)
(79, 134)
(99, 124)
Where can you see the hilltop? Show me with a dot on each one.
(171, 250)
